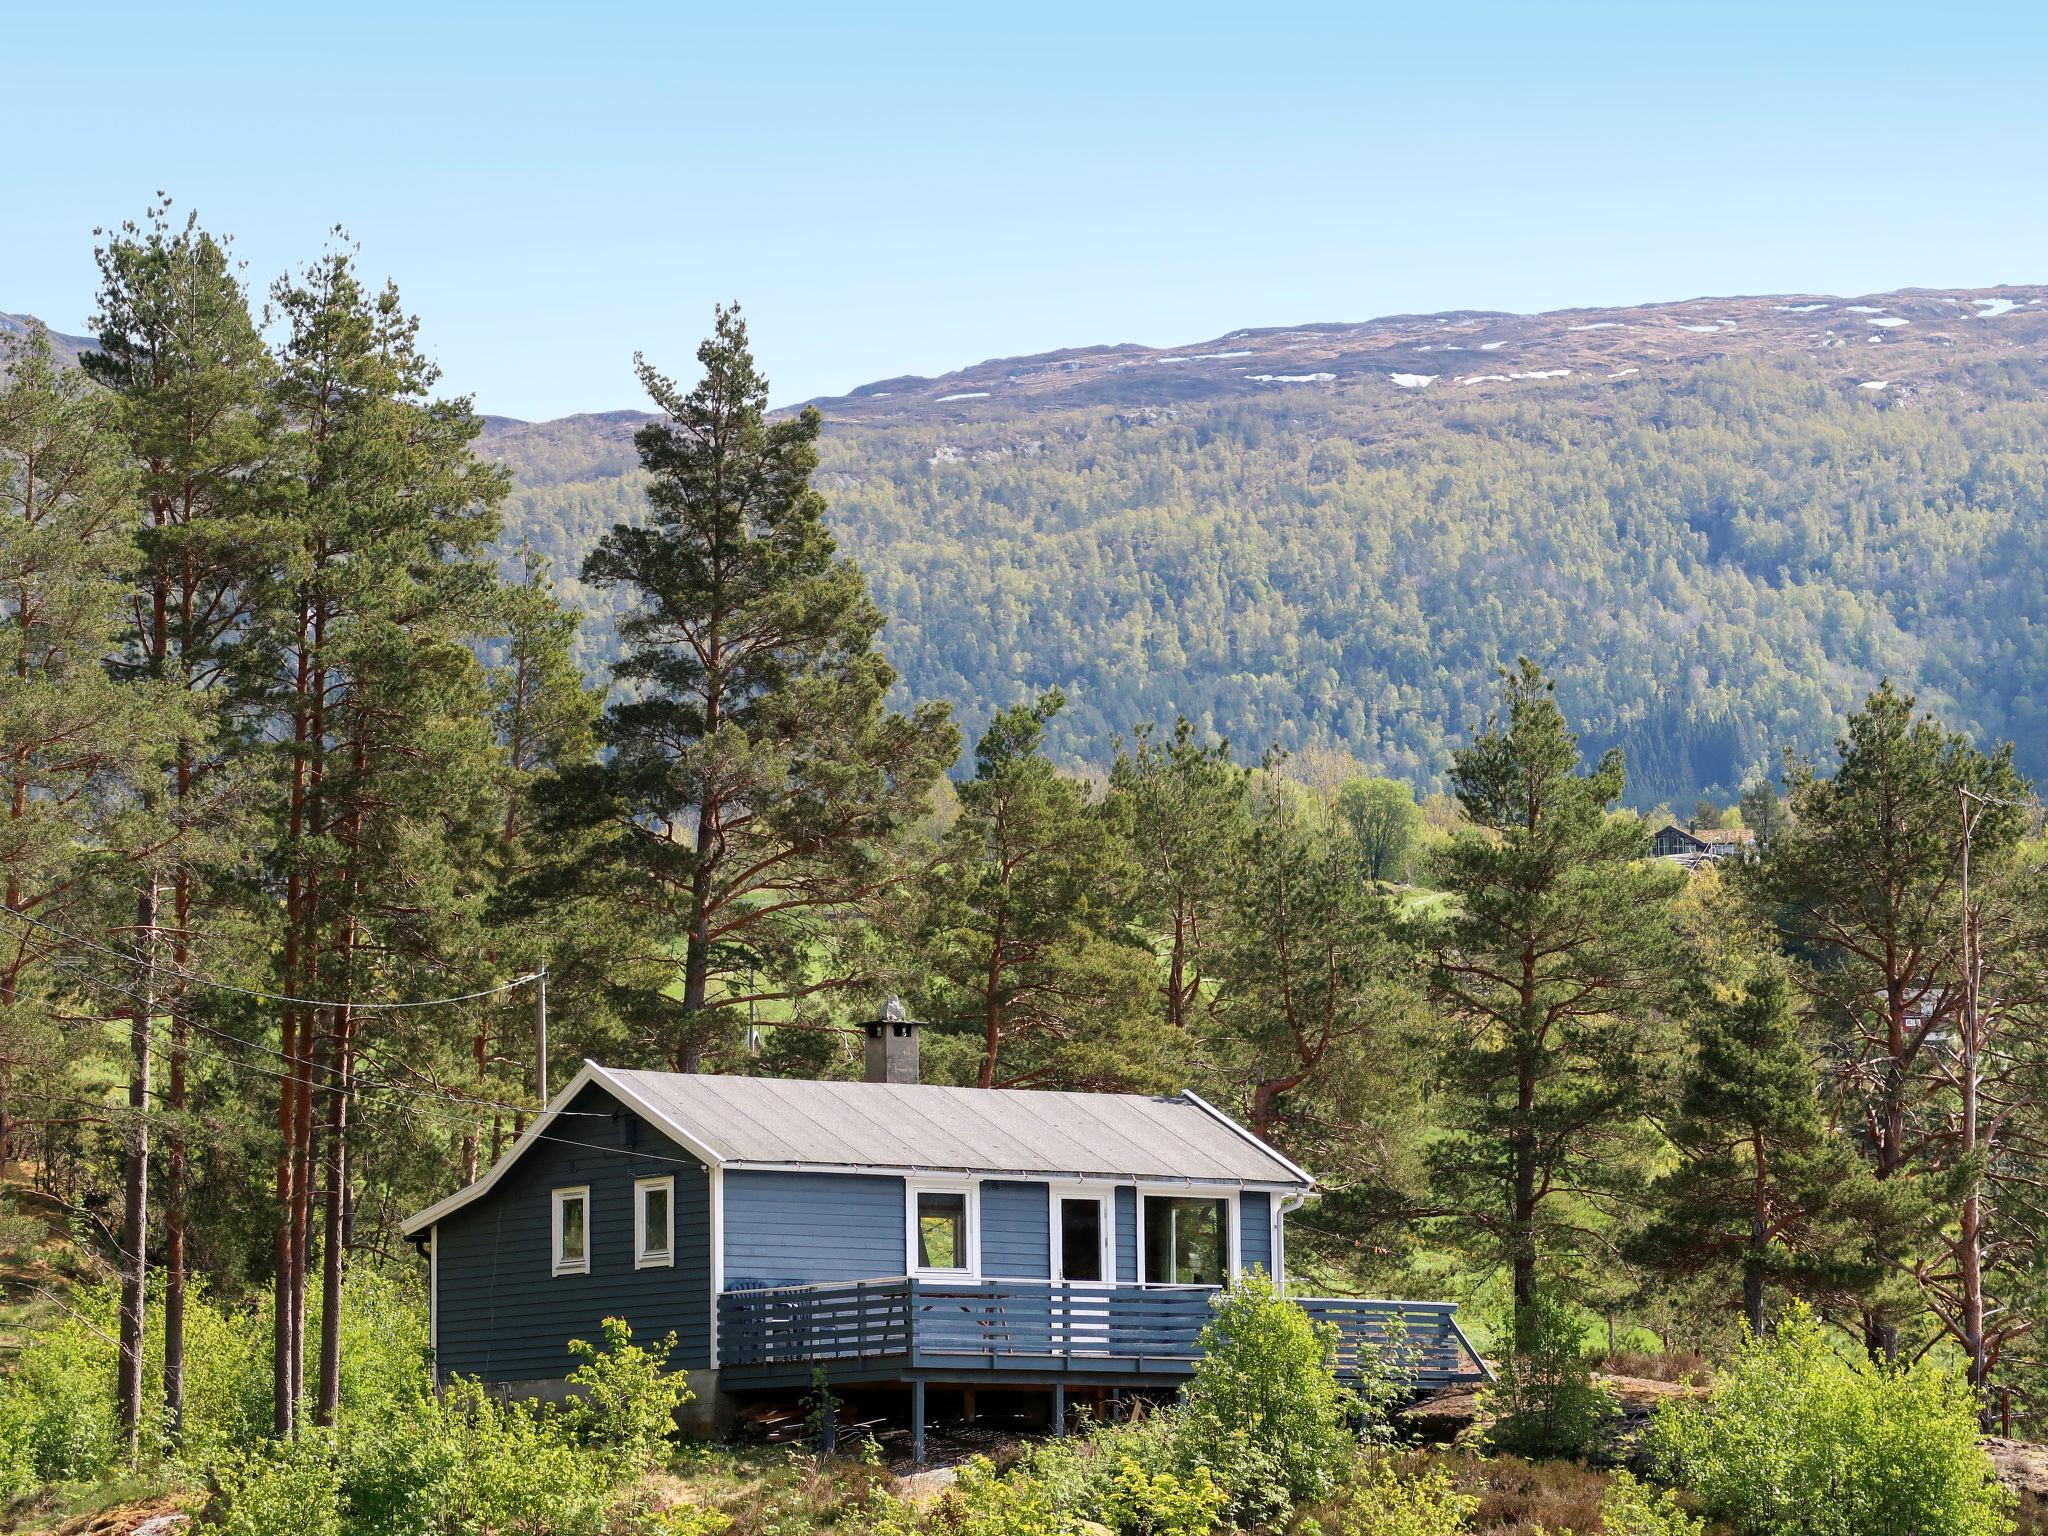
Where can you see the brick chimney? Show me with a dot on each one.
(892, 1046)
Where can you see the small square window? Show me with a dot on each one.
(572, 1231)
(942, 1232)
(654, 1222)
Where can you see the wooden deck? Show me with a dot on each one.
(1034, 1332)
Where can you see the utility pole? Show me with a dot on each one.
(540, 1032)
(135, 1225)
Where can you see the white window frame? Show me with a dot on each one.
(970, 1189)
(1234, 1260)
(646, 1256)
(1104, 1195)
(556, 1200)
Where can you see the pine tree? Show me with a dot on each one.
(1023, 935)
(1864, 888)
(77, 745)
(1183, 805)
(1315, 993)
(757, 777)
(189, 376)
(1761, 1190)
(1552, 958)
(393, 761)
(1764, 813)
(545, 716)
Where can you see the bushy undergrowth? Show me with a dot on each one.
(404, 1460)
(1263, 1426)
(1798, 1438)
(1546, 1402)
(1265, 1413)
(461, 1461)
(57, 1404)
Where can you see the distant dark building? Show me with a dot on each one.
(1696, 845)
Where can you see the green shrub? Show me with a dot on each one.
(516, 1471)
(1142, 1503)
(280, 1487)
(1546, 1402)
(984, 1502)
(1264, 1411)
(57, 1404)
(625, 1398)
(1381, 1501)
(1630, 1508)
(1796, 1437)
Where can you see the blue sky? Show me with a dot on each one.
(909, 188)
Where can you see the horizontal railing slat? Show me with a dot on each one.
(1083, 1326)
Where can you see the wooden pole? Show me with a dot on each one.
(917, 1423)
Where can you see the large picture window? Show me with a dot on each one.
(572, 1231)
(1187, 1241)
(942, 1231)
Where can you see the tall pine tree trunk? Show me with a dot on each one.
(1759, 1236)
(1970, 1227)
(176, 1163)
(135, 1223)
(333, 1239)
(1522, 1198)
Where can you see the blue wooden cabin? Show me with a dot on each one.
(888, 1231)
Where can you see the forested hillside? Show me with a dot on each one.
(1716, 556)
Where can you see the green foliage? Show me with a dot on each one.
(1129, 1480)
(1021, 937)
(1864, 888)
(1142, 1503)
(1386, 821)
(756, 779)
(624, 1398)
(1316, 988)
(1797, 1439)
(1264, 1410)
(1546, 1402)
(1761, 1194)
(1180, 804)
(293, 1485)
(1631, 1508)
(1382, 1500)
(1552, 960)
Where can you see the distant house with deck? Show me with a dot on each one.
(1696, 845)
(894, 1234)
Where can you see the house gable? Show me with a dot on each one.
(502, 1314)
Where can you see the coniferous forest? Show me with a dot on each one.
(310, 802)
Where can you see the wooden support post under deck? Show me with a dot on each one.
(1059, 1410)
(917, 1423)
(967, 1404)
(828, 1430)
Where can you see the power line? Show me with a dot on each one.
(374, 1084)
(261, 996)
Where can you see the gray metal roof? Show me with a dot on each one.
(753, 1120)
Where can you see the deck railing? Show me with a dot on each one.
(1038, 1326)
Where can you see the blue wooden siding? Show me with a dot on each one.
(810, 1228)
(1127, 1233)
(1016, 1241)
(504, 1315)
(1255, 1240)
